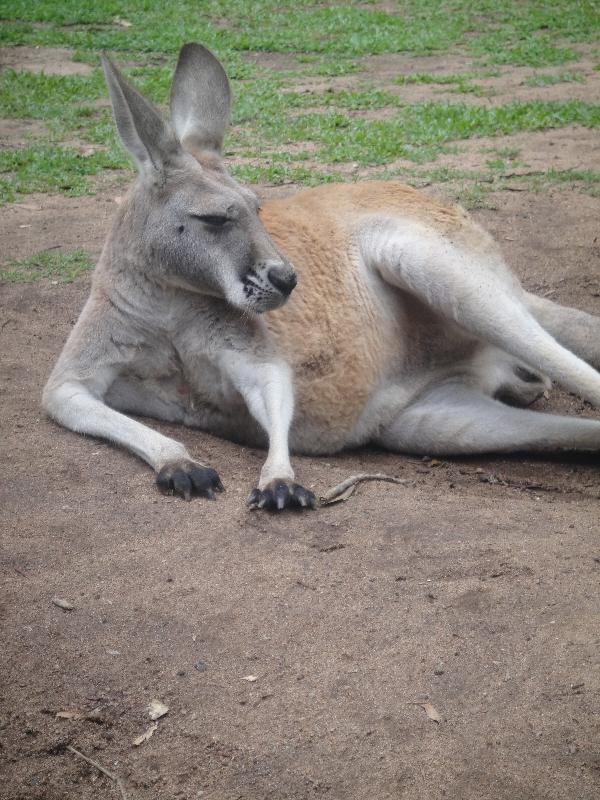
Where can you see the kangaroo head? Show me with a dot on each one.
(186, 221)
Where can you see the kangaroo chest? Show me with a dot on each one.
(338, 330)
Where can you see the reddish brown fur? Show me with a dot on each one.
(335, 331)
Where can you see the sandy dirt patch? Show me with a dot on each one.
(50, 60)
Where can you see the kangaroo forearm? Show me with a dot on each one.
(74, 406)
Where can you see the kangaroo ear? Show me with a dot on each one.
(143, 131)
(200, 100)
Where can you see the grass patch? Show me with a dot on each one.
(548, 79)
(64, 267)
(535, 32)
(444, 80)
(317, 65)
(327, 40)
(466, 87)
(418, 132)
(503, 152)
(461, 84)
(584, 180)
(538, 51)
(38, 96)
(279, 174)
(49, 168)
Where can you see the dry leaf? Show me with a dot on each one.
(69, 715)
(250, 678)
(143, 737)
(341, 497)
(64, 604)
(346, 488)
(156, 709)
(431, 712)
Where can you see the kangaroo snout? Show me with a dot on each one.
(283, 279)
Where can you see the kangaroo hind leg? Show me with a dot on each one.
(575, 329)
(454, 419)
(479, 295)
(505, 378)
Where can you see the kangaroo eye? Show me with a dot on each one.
(214, 220)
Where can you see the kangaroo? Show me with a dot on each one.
(407, 329)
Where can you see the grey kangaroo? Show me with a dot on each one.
(407, 328)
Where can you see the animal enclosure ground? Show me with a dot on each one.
(474, 589)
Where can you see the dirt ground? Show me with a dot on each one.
(475, 589)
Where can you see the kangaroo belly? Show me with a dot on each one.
(340, 330)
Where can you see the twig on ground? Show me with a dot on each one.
(346, 488)
(102, 769)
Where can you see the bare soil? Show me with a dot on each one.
(474, 589)
(49, 60)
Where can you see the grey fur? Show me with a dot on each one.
(200, 100)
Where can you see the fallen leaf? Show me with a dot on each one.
(250, 678)
(156, 709)
(431, 712)
(143, 737)
(69, 715)
(346, 488)
(342, 497)
(64, 604)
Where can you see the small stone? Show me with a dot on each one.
(96, 715)
(64, 604)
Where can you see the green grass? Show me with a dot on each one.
(63, 267)
(467, 87)
(320, 65)
(534, 32)
(504, 152)
(419, 131)
(584, 180)
(279, 174)
(548, 79)
(539, 51)
(444, 79)
(50, 168)
(325, 41)
(39, 96)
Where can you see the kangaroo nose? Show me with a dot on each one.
(283, 279)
